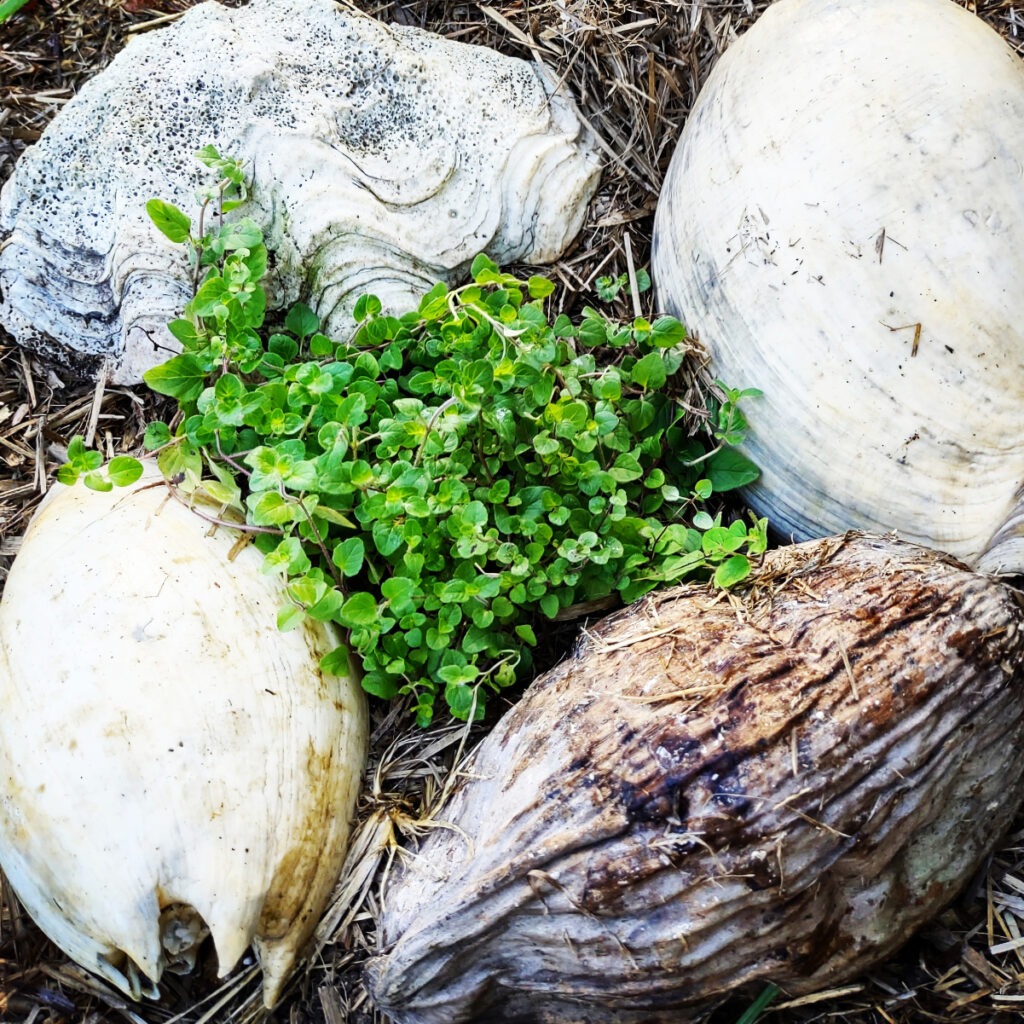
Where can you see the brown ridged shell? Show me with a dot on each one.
(718, 791)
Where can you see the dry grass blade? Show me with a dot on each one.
(635, 67)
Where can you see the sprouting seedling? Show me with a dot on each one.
(608, 288)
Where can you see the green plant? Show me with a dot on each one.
(86, 463)
(442, 483)
(9, 7)
(608, 288)
(756, 1009)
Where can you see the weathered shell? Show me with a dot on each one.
(841, 225)
(384, 159)
(169, 761)
(712, 793)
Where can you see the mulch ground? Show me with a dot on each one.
(635, 68)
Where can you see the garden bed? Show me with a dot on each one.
(635, 69)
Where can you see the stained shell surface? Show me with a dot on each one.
(841, 226)
(384, 158)
(171, 765)
(713, 794)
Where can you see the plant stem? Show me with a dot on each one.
(231, 524)
(446, 404)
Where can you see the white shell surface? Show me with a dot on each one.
(842, 225)
(384, 159)
(163, 744)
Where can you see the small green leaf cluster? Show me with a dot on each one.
(608, 288)
(443, 483)
(87, 464)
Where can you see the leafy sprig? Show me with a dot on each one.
(608, 288)
(87, 464)
(443, 484)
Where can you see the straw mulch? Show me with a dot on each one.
(635, 68)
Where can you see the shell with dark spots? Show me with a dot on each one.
(383, 159)
(716, 792)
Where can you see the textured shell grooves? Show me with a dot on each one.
(200, 769)
(691, 803)
(842, 166)
(1004, 553)
(383, 159)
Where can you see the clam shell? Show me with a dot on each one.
(717, 793)
(169, 761)
(841, 226)
(384, 159)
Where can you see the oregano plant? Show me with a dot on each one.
(444, 483)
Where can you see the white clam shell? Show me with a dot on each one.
(163, 746)
(842, 225)
(384, 159)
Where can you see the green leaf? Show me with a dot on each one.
(483, 266)
(753, 1012)
(720, 541)
(348, 555)
(123, 470)
(169, 220)
(461, 700)
(301, 321)
(326, 607)
(181, 377)
(320, 345)
(593, 332)
(540, 287)
(241, 234)
(8, 7)
(525, 632)
(387, 537)
(545, 445)
(270, 509)
(359, 610)
(156, 436)
(608, 288)
(732, 571)
(337, 663)
(667, 331)
(289, 617)
(626, 468)
(400, 592)
(649, 372)
(377, 684)
(97, 482)
(435, 303)
(284, 346)
(703, 521)
(729, 469)
(287, 558)
(366, 306)
(79, 455)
